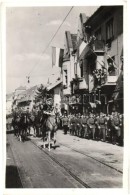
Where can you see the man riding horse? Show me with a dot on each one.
(49, 121)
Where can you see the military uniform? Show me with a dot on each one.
(65, 124)
(116, 129)
(122, 129)
(78, 126)
(101, 123)
(37, 122)
(91, 125)
(73, 125)
(84, 132)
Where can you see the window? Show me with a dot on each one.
(75, 68)
(109, 29)
(66, 77)
(98, 34)
(81, 68)
(111, 66)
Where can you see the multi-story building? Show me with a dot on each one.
(9, 103)
(18, 94)
(27, 99)
(56, 90)
(99, 64)
(67, 70)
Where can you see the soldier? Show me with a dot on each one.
(65, 123)
(72, 124)
(91, 125)
(121, 141)
(101, 123)
(69, 126)
(37, 121)
(108, 128)
(116, 129)
(78, 125)
(84, 132)
(97, 131)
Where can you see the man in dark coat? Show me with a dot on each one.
(91, 125)
(116, 129)
(73, 124)
(84, 132)
(65, 123)
(101, 123)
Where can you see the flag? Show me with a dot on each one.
(57, 56)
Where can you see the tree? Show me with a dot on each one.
(42, 94)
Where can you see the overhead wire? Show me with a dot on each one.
(51, 40)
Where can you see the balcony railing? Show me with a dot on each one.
(111, 79)
(98, 46)
(88, 48)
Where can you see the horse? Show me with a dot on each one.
(38, 123)
(31, 123)
(24, 121)
(16, 125)
(49, 129)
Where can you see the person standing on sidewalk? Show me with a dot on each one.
(116, 129)
(91, 125)
(84, 132)
(65, 123)
(73, 125)
(78, 125)
(102, 122)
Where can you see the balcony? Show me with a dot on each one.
(105, 80)
(83, 85)
(67, 91)
(96, 46)
(79, 83)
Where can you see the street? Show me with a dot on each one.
(75, 163)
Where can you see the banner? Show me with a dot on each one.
(57, 56)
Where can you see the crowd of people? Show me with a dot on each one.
(99, 126)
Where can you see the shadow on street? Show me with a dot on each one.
(12, 177)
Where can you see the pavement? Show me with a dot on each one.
(12, 175)
(34, 169)
(74, 163)
(104, 152)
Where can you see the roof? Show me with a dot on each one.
(54, 85)
(21, 88)
(74, 41)
(28, 94)
(30, 90)
(83, 17)
(71, 43)
(100, 14)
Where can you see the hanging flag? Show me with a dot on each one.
(57, 56)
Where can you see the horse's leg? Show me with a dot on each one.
(26, 129)
(34, 127)
(54, 138)
(29, 129)
(49, 134)
(20, 136)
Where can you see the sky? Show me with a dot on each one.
(28, 32)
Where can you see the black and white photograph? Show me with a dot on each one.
(64, 97)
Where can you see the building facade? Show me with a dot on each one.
(98, 64)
